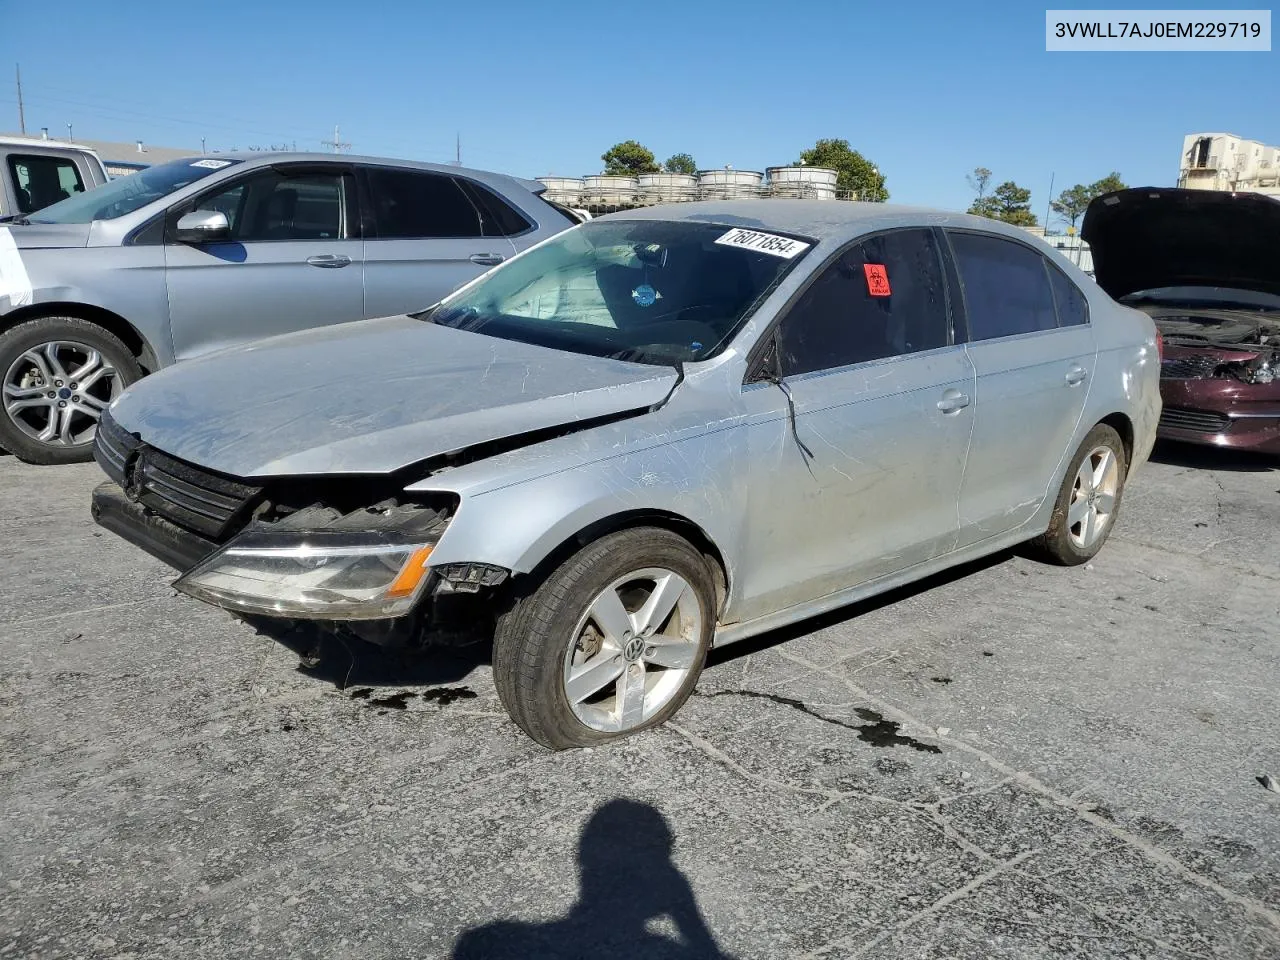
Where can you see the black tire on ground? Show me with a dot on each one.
(533, 634)
(17, 340)
(1055, 545)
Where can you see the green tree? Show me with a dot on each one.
(1008, 202)
(629, 159)
(1071, 204)
(680, 163)
(979, 181)
(856, 173)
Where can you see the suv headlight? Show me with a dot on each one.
(316, 575)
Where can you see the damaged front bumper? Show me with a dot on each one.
(370, 564)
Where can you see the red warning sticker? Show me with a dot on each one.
(877, 279)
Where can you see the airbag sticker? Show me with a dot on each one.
(212, 164)
(877, 279)
(14, 281)
(644, 295)
(769, 243)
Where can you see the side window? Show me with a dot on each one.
(411, 204)
(1006, 286)
(884, 297)
(270, 206)
(498, 218)
(43, 181)
(1073, 308)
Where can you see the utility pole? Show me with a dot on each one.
(22, 119)
(1048, 207)
(457, 160)
(336, 142)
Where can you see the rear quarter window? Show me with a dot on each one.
(1006, 286)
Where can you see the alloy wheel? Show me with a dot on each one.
(632, 649)
(1093, 497)
(55, 392)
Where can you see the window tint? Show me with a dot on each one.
(1006, 286)
(43, 181)
(884, 297)
(270, 206)
(1073, 308)
(410, 205)
(498, 218)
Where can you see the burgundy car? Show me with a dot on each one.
(1205, 266)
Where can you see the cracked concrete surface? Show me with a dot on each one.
(175, 786)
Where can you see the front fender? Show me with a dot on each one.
(699, 480)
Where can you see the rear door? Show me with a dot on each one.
(294, 259)
(429, 234)
(1034, 362)
(883, 408)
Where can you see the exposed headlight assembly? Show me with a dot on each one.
(315, 575)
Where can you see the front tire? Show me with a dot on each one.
(609, 643)
(1088, 501)
(57, 375)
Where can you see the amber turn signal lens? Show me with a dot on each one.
(410, 575)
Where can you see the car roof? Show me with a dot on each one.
(46, 144)
(822, 220)
(265, 157)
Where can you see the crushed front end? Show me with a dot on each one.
(338, 550)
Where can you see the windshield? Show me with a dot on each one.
(651, 291)
(130, 193)
(1192, 297)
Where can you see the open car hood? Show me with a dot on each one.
(1150, 237)
(372, 397)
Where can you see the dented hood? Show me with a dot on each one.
(1151, 237)
(372, 397)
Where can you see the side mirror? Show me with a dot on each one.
(202, 226)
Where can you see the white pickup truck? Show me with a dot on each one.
(36, 173)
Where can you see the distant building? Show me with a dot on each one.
(122, 159)
(1223, 161)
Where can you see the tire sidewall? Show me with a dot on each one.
(32, 333)
(667, 551)
(1100, 436)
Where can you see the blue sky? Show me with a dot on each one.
(926, 90)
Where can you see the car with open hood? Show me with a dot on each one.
(203, 253)
(1204, 265)
(658, 431)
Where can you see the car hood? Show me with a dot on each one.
(1150, 237)
(32, 235)
(372, 397)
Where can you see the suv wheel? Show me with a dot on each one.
(609, 643)
(57, 375)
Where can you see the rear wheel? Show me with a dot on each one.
(609, 643)
(57, 375)
(1088, 502)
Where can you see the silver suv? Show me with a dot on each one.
(202, 253)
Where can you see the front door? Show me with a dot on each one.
(293, 260)
(1034, 353)
(864, 481)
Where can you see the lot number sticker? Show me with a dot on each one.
(769, 243)
(877, 279)
(212, 164)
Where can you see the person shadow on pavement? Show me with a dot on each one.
(626, 882)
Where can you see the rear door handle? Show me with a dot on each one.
(1076, 375)
(487, 259)
(953, 401)
(329, 260)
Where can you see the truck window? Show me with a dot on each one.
(43, 181)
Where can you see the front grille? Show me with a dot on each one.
(1188, 368)
(190, 496)
(1201, 421)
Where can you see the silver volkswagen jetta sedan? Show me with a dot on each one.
(657, 432)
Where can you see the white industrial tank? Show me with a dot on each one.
(812, 182)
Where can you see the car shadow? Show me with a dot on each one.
(626, 882)
(1198, 457)
(344, 660)
(857, 609)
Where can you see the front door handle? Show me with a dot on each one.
(953, 401)
(487, 259)
(329, 260)
(1076, 375)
